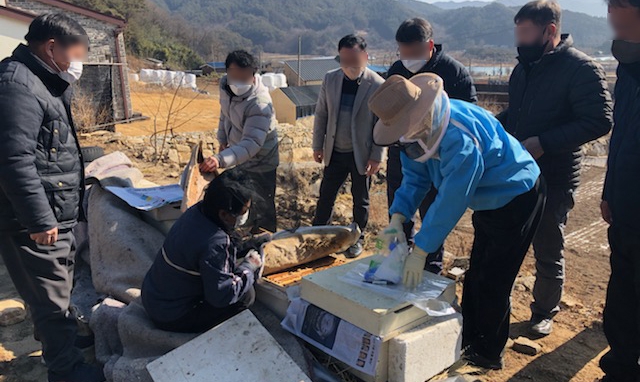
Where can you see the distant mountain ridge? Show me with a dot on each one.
(185, 33)
(322, 22)
(595, 8)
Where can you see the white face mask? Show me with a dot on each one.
(74, 72)
(240, 89)
(241, 220)
(414, 65)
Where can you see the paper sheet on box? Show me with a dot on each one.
(147, 199)
(334, 336)
(424, 296)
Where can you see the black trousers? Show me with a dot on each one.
(205, 316)
(502, 239)
(548, 246)
(622, 309)
(394, 181)
(263, 211)
(43, 276)
(335, 174)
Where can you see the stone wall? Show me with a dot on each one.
(106, 39)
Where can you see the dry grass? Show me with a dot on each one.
(86, 115)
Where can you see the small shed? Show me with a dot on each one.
(213, 67)
(295, 102)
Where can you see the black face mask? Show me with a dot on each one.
(530, 53)
(626, 52)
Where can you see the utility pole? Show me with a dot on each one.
(299, 63)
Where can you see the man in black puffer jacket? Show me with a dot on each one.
(620, 202)
(41, 184)
(558, 101)
(419, 54)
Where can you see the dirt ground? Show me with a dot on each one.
(186, 110)
(571, 353)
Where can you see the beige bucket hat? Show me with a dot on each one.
(405, 108)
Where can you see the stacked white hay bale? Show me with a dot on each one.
(190, 81)
(281, 80)
(168, 78)
(274, 81)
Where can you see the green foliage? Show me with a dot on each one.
(150, 32)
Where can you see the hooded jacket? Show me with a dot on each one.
(564, 100)
(248, 128)
(41, 171)
(478, 165)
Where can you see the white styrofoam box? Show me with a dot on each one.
(164, 217)
(377, 314)
(238, 350)
(425, 351)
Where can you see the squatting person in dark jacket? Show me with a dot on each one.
(621, 202)
(198, 280)
(419, 54)
(558, 101)
(247, 134)
(41, 184)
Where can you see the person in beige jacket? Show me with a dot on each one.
(247, 135)
(343, 134)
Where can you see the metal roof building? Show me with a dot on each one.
(312, 71)
(295, 102)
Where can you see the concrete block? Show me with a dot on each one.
(425, 351)
(12, 312)
(239, 349)
(377, 314)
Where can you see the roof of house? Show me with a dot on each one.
(85, 12)
(215, 65)
(302, 95)
(313, 69)
(16, 14)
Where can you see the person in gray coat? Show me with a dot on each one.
(247, 134)
(343, 134)
(41, 185)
